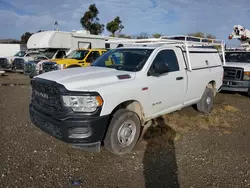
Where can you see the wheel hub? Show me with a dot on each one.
(209, 99)
(126, 133)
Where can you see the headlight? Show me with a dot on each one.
(61, 66)
(246, 76)
(83, 103)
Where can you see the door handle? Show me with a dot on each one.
(179, 78)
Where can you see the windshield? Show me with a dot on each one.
(241, 57)
(20, 54)
(78, 54)
(50, 53)
(124, 59)
(33, 54)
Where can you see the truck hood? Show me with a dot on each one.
(88, 78)
(244, 65)
(65, 61)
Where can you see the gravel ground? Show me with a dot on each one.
(185, 149)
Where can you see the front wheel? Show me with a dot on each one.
(248, 92)
(123, 132)
(206, 102)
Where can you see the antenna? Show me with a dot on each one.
(56, 26)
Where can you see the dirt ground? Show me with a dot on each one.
(183, 149)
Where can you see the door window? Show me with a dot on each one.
(93, 56)
(166, 58)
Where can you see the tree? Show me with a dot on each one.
(210, 36)
(202, 35)
(142, 35)
(25, 37)
(124, 36)
(197, 34)
(90, 21)
(157, 35)
(115, 25)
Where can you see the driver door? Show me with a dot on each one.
(166, 88)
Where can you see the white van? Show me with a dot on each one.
(125, 88)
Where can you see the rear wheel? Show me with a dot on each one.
(123, 132)
(206, 102)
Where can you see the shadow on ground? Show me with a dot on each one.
(160, 168)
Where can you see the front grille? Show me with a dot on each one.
(48, 66)
(3, 63)
(233, 73)
(18, 63)
(29, 68)
(46, 96)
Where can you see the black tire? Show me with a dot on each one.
(111, 141)
(206, 102)
(14, 69)
(248, 92)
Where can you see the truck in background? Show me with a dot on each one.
(8, 50)
(237, 68)
(77, 58)
(58, 44)
(16, 62)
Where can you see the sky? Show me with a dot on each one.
(168, 17)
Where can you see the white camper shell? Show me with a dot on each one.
(123, 90)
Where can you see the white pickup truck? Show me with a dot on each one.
(125, 88)
(237, 71)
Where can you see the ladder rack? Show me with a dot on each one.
(153, 42)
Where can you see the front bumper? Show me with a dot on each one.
(86, 133)
(30, 72)
(6, 67)
(238, 86)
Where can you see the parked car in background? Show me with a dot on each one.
(35, 67)
(31, 68)
(77, 58)
(237, 71)
(111, 102)
(16, 62)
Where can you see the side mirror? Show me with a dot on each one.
(159, 68)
